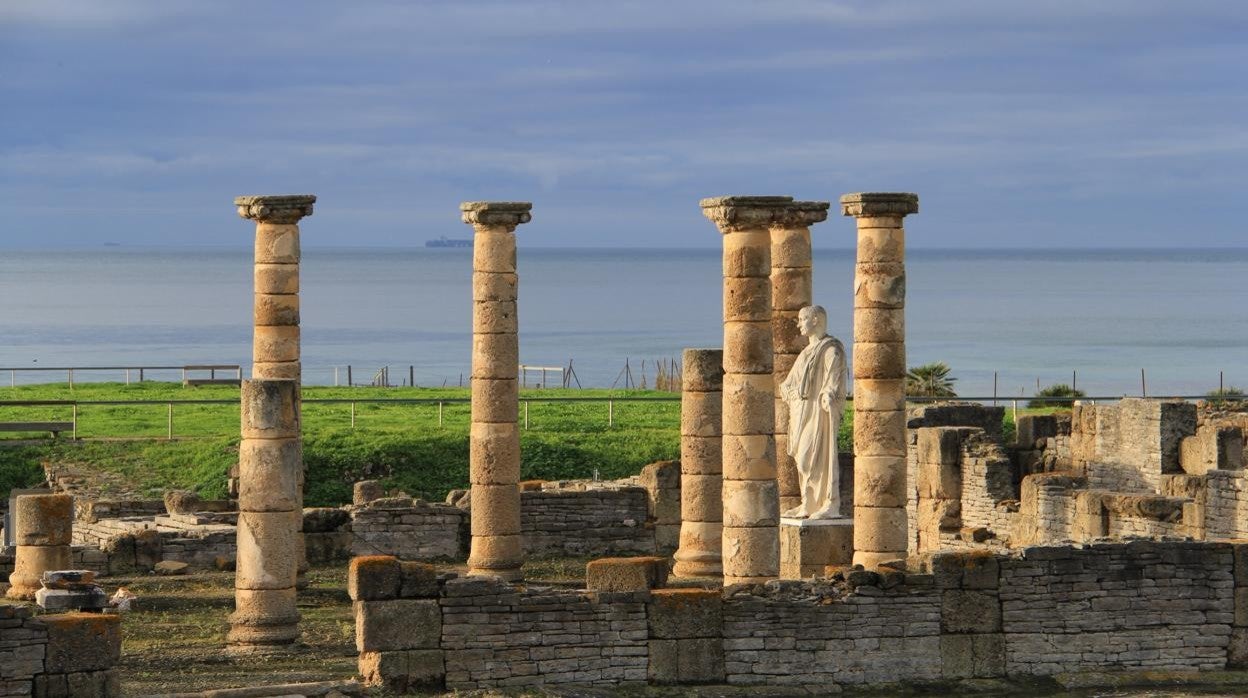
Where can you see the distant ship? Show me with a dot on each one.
(444, 241)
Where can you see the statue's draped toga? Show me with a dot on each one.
(815, 393)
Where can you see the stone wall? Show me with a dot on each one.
(590, 521)
(1138, 606)
(1129, 446)
(957, 414)
(48, 656)
(409, 529)
(966, 489)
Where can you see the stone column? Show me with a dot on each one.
(494, 444)
(751, 503)
(879, 362)
(270, 518)
(701, 456)
(275, 349)
(43, 527)
(275, 346)
(790, 292)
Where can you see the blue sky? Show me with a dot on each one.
(1020, 124)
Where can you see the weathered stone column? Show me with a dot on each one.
(270, 517)
(494, 465)
(751, 503)
(275, 346)
(790, 292)
(701, 464)
(43, 527)
(879, 376)
(275, 349)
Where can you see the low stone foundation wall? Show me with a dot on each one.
(1105, 607)
(72, 654)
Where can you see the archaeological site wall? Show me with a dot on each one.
(71, 654)
(966, 615)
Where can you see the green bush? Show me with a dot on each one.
(1057, 390)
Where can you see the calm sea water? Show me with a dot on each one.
(1027, 315)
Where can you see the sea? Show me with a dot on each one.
(1113, 321)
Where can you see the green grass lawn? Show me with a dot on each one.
(408, 446)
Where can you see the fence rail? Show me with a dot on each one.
(441, 403)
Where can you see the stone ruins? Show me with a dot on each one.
(1103, 540)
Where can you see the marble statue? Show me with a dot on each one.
(815, 394)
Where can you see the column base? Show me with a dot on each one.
(262, 639)
(508, 575)
(698, 565)
(808, 547)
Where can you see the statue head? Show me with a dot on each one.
(812, 321)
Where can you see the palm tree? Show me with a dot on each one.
(930, 380)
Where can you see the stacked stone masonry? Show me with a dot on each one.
(750, 492)
(494, 441)
(701, 464)
(43, 531)
(1138, 606)
(270, 520)
(879, 367)
(791, 290)
(50, 656)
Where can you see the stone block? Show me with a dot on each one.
(685, 613)
(702, 370)
(664, 474)
(701, 414)
(989, 655)
(700, 660)
(43, 519)
(419, 581)
(57, 600)
(270, 408)
(374, 578)
(496, 400)
(625, 574)
(324, 519)
(808, 547)
(81, 642)
(366, 491)
(957, 658)
(1237, 651)
(880, 480)
(270, 474)
(494, 454)
(963, 611)
(269, 549)
(398, 624)
(752, 402)
(747, 300)
(750, 554)
(751, 503)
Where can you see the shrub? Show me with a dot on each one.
(1057, 390)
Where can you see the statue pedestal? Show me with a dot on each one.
(807, 547)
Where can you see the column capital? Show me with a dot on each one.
(733, 213)
(490, 214)
(867, 204)
(803, 214)
(282, 208)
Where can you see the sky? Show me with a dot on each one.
(1062, 123)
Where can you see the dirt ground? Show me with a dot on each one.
(174, 639)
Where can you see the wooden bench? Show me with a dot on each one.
(195, 382)
(55, 427)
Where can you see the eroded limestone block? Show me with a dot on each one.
(625, 574)
(398, 624)
(374, 578)
(43, 519)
